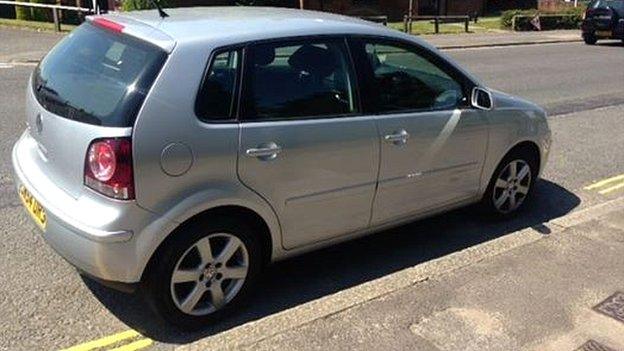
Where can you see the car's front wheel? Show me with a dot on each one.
(512, 183)
(205, 270)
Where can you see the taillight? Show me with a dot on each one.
(108, 168)
(587, 13)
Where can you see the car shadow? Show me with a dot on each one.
(314, 275)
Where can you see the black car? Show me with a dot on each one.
(604, 19)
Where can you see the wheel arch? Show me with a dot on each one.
(527, 145)
(253, 218)
(219, 199)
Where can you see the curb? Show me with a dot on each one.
(505, 44)
(269, 326)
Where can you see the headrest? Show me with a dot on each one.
(314, 60)
(264, 55)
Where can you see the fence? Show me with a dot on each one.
(55, 10)
(408, 20)
(377, 19)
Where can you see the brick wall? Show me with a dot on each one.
(502, 5)
(553, 5)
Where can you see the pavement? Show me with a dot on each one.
(537, 289)
(455, 281)
(467, 40)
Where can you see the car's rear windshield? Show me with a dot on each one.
(97, 76)
(617, 5)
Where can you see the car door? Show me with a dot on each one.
(304, 146)
(432, 142)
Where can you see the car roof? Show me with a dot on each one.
(241, 23)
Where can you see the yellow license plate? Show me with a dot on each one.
(603, 33)
(37, 212)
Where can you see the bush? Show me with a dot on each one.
(39, 14)
(507, 16)
(569, 18)
(549, 22)
(23, 13)
(132, 5)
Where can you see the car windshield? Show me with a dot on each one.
(97, 76)
(617, 5)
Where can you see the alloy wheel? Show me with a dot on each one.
(209, 274)
(512, 186)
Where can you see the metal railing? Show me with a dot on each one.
(408, 20)
(55, 10)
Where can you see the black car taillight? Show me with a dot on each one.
(108, 168)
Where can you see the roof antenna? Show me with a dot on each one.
(161, 12)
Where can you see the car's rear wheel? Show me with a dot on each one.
(204, 271)
(590, 39)
(512, 183)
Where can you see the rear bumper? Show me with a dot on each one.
(99, 236)
(588, 28)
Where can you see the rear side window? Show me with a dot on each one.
(216, 99)
(98, 77)
(298, 79)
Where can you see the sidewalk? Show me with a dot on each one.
(529, 290)
(29, 46)
(453, 41)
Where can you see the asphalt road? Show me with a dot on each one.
(44, 303)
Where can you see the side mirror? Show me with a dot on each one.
(481, 98)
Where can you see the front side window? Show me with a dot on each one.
(403, 80)
(298, 79)
(215, 100)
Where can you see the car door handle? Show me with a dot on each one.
(266, 151)
(397, 138)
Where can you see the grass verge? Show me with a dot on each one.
(35, 25)
(484, 24)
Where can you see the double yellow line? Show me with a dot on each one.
(607, 185)
(129, 340)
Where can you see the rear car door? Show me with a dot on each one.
(303, 146)
(432, 143)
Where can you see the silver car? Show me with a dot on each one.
(181, 155)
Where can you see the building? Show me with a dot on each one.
(394, 9)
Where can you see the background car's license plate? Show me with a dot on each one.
(603, 33)
(37, 212)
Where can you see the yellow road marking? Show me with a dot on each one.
(105, 341)
(137, 345)
(611, 188)
(605, 182)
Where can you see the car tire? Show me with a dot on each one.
(508, 191)
(196, 254)
(590, 39)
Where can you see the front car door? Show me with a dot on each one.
(432, 142)
(303, 145)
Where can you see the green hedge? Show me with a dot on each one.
(33, 13)
(569, 18)
(23, 13)
(507, 16)
(548, 22)
(39, 14)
